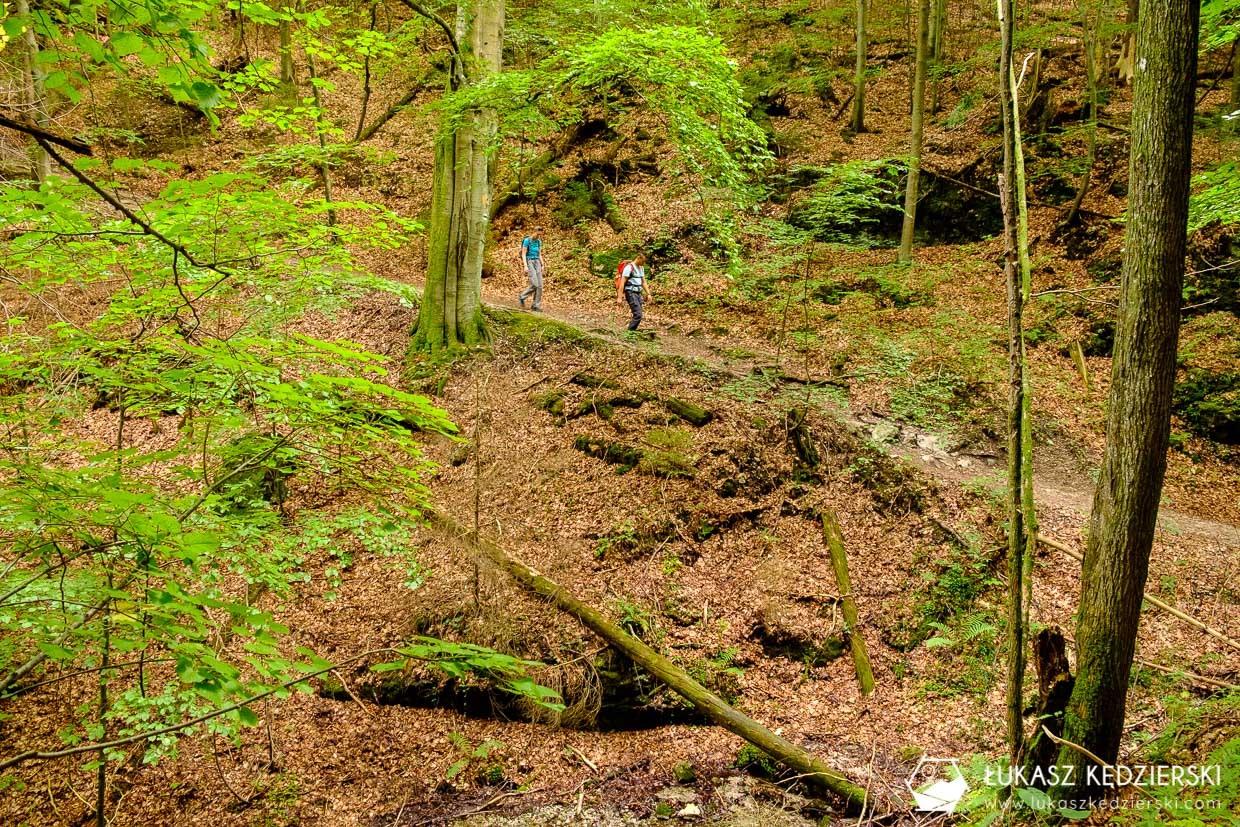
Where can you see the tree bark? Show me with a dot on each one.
(938, 25)
(1016, 271)
(451, 310)
(36, 98)
(1127, 51)
(919, 108)
(857, 124)
(706, 702)
(288, 76)
(1122, 521)
(1089, 36)
(839, 561)
(320, 126)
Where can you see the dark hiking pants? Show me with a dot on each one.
(634, 298)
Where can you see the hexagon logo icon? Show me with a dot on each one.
(937, 785)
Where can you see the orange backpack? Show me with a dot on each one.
(620, 279)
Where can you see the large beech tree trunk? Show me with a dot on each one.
(1121, 524)
(451, 310)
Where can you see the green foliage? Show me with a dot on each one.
(157, 39)
(718, 673)
(1217, 199)
(488, 773)
(146, 441)
(848, 199)
(1205, 735)
(585, 201)
(669, 455)
(1220, 24)
(1209, 404)
(683, 74)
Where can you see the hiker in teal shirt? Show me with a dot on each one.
(631, 289)
(531, 259)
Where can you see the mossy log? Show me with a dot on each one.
(589, 380)
(695, 415)
(612, 452)
(813, 769)
(835, 543)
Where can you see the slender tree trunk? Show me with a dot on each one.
(288, 75)
(1016, 269)
(36, 98)
(919, 109)
(858, 111)
(451, 311)
(361, 119)
(1235, 76)
(320, 126)
(839, 561)
(812, 769)
(1121, 524)
(938, 25)
(1089, 37)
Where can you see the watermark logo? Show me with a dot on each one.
(937, 785)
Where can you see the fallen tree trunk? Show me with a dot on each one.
(705, 701)
(1151, 599)
(839, 560)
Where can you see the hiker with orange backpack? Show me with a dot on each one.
(631, 287)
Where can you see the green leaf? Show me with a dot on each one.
(455, 769)
(56, 652)
(205, 94)
(389, 666)
(171, 75)
(1034, 799)
(1067, 812)
(247, 716)
(126, 43)
(14, 27)
(89, 46)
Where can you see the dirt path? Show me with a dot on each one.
(1063, 484)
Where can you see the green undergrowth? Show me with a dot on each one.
(951, 613)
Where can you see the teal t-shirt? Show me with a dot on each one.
(533, 247)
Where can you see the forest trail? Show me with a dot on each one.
(1062, 483)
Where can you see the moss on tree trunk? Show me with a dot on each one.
(1121, 524)
(451, 311)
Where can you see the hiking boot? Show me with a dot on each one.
(521, 301)
(536, 309)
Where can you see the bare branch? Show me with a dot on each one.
(437, 20)
(42, 135)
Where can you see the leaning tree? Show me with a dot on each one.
(1121, 524)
